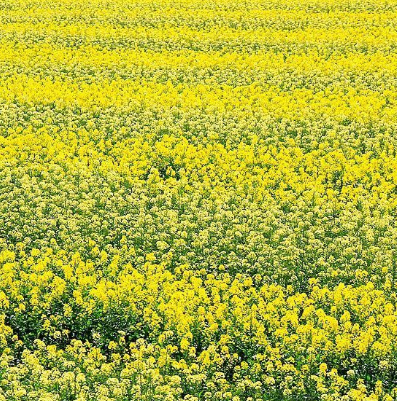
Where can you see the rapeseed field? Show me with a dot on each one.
(198, 200)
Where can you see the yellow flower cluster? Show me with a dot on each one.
(198, 200)
(151, 333)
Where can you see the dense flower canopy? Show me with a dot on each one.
(198, 200)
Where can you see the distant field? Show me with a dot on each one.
(198, 200)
